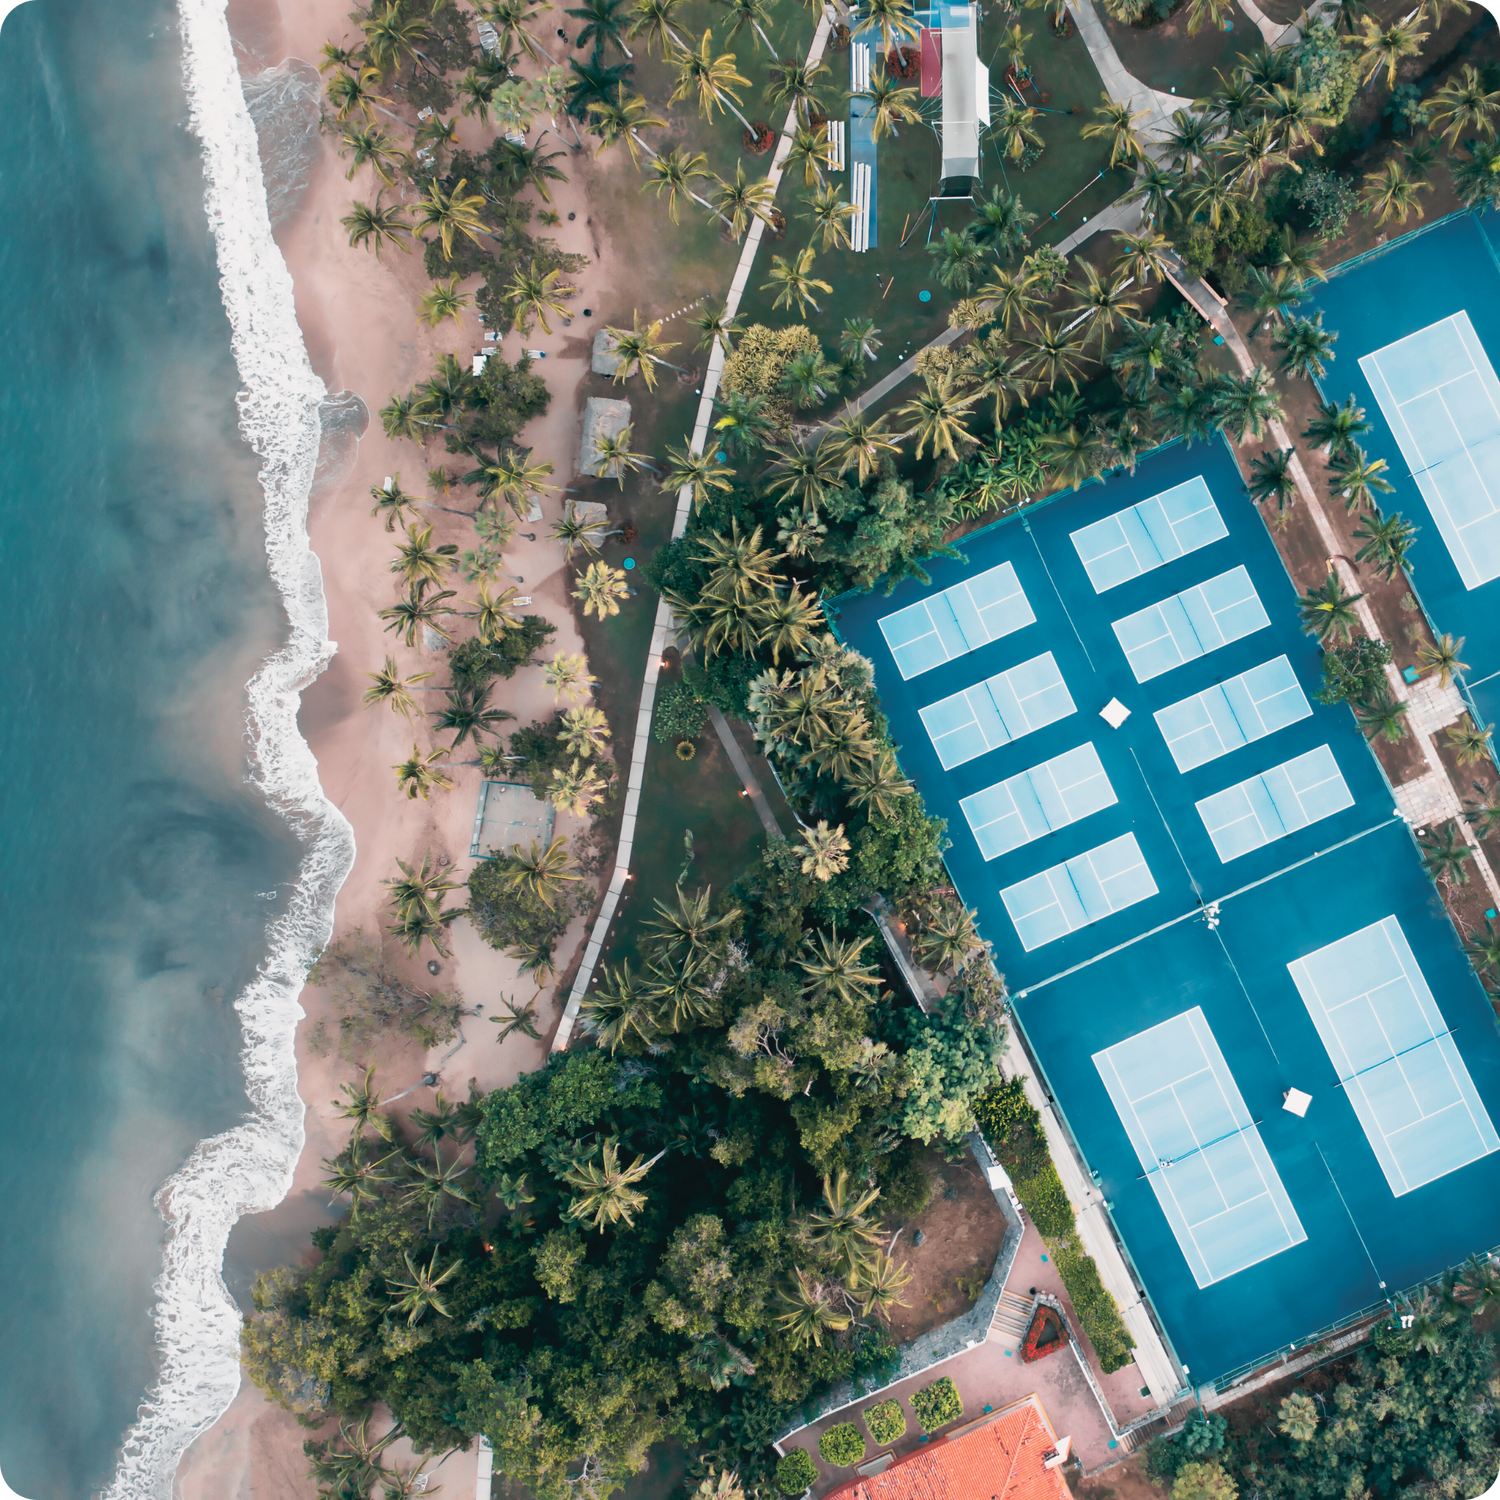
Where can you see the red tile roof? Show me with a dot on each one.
(1001, 1457)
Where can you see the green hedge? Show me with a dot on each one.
(937, 1404)
(886, 1422)
(843, 1444)
(1014, 1131)
(796, 1472)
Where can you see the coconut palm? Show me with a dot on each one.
(639, 349)
(574, 533)
(451, 212)
(511, 477)
(755, 14)
(810, 151)
(1387, 540)
(842, 1229)
(1271, 478)
(1483, 816)
(714, 325)
(1476, 1288)
(1388, 46)
(600, 589)
(1106, 302)
(937, 416)
(1155, 187)
(510, 18)
(878, 784)
(859, 339)
(602, 25)
(491, 612)
(1072, 455)
(827, 851)
(477, 90)
(741, 202)
(1384, 717)
(468, 714)
(1013, 300)
(892, 18)
(614, 458)
(575, 789)
(353, 1172)
(534, 294)
(527, 166)
(673, 171)
(960, 259)
(1053, 356)
(418, 563)
(389, 686)
(444, 300)
(809, 378)
(830, 217)
(435, 138)
(606, 1191)
(354, 90)
(433, 1186)
(858, 442)
(1211, 194)
(890, 102)
(418, 887)
(1001, 223)
(1014, 128)
(945, 939)
(419, 777)
(704, 475)
(835, 971)
(688, 926)
(653, 20)
(1189, 140)
(419, 1293)
(806, 475)
(621, 118)
(880, 1283)
(1253, 153)
(795, 86)
(540, 870)
(1244, 404)
(712, 79)
(793, 282)
(1306, 346)
(1447, 856)
(1117, 124)
(1142, 256)
(810, 1312)
(363, 1108)
(744, 425)
(1442, 658)
(998, 375)
(1391, 194)
(568, 676)
(1212, 11)
(1357, 478)
(377, 225)
(1462, 106)
(392, 36)
(1469, 743)
(1335, 429)
(1328, 610)
(419, 612)
(743, 568)
(371, 146)
(1297, 115)
(616, 1012)
(1298, 260)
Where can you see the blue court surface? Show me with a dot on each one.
(1149, 889)
(1419, 340)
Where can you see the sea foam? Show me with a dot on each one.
(248, 1169)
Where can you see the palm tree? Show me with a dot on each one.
(1105, 301)
(712, 79)
(435, 1184)
(575, 789)
(418, 777)
(1297, 114)
(568, 676)
(803, 474)
(1391, 194)
(827, 852)
(1142, 256)
(621, 119)
(809, 378)
(1271, 478)
(860, 442)
(602, 25)
(674, 170)
(890, 102)
(1336, 428)
(1189, 140)
(527, 166)
(377, 226)
(615, 458)
(1483, 816)
(436, 137)
(363, 1107)
(1387, 47)
(830, 217)
(835, 973)
(1447, 856)
(1470, 744)
(1072, 455)
(1463, 105)
(419, 612)
(355, 90)
(891, 17)
(535, 294)
(1117, 124)
(444, 300)
(937, 416)
(371, 146)
(842, 1229)
(573, 533)
(744, 426)
(1387, 540)
(540, 871)
(1244, 404)
(391, 36)
(753, 13)
(1013, 301)
(390, 687)
(352, 1173)
(606, 1191)
(1015, 129)
(794, 86)
(1155, 186)
(1052, 356)
(420, 1292)
(637, 348)
(880, 1282)
(492, 617)
(1002, 223)
(793, 281)
(1328, 610)
(654, 19)
(1253, 152)
(688, 926)
(960, 259)
(1298, 260)
(1357, 477)
(418, 563)
(945, 939)
(616, 1010)
(713, 324)
(419, 888)
(741, 202)
(810, 1312)
(810, 151)
(1442, 658)
(468, 713)
(511, 477)
(1211, 194)
(1213, 11)
(517, 1018)
(878, 784)
(1476, 1288)
(704, 475)
(1306, 346)
(450, 213)
(1385, 717)
(600, 588)
(859, 339)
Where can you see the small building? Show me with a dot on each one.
(602, 418)
(1011, 1454)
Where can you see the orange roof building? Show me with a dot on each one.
(1012, 1454)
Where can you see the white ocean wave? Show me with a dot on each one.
(248, 1169)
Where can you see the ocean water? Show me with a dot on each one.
(168, 860)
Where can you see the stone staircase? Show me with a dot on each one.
(1134, 1438)
(1012, 1319)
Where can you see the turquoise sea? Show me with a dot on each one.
(155, 922)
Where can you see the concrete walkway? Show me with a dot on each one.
(1119, 83)
(663, 630)
(748, 779)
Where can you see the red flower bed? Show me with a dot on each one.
(905, 62)
(760, 141)
(1045, 1336)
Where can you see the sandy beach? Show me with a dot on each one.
(357, 316)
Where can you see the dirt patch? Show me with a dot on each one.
(1121, 1481)
(962, 1230)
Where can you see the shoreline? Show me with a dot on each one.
(355, 317)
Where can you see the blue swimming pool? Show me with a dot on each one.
(1419, 335)
(1154, 819)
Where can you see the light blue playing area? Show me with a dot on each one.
(1437, 390)
(1145, 536)
(971, 614)
(1394, 1055)
(1232, 713)
(1201, 619)
(1199, 1147)
(995, 712)
(1026, 806)
(1081, 890)
(1275, 803)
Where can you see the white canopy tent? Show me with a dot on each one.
(966, 91)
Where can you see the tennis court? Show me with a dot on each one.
(1149, 535)
(958, 620)
(1232, 713)
(1199, 1147)
(1437, 390)
(1037, 802)
(1201, 619)
(1395, 1056)
(1280, 801)
(1079, 891)
(995, 712)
